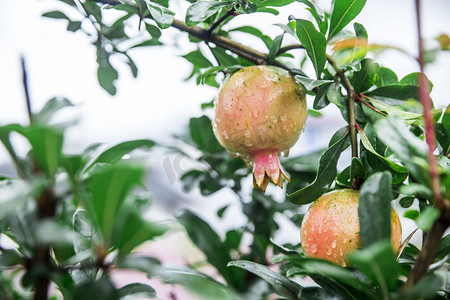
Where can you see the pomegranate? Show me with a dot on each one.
(330, 228)
(260, 112)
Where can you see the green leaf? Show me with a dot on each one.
(318, 11)
(203, 136)
(314, 43)
(201, 10)
(15, 193)
(275, 3)
(248, 29)
(115, 153)
(341, 277)
(56, 15)
(274, 48)
(101, 289)
(374, 208)
(212, 246)
(106, 73)
(282, 286)
(378, 263)
(326, 173)
(198, 59)
(356, 169)
(386, 77)
(136, 290)
(110, 186)
(311, 84)
(408, 117)
(197, 283)
(74, 26)
(427, 217)
(343, 12)
(316, 293)
(367, 145)
(411, 150)
(46, 143)
(10, 258)
(131, 230)
(366, 77)
(163, 16)
(224, 58)
(52, 106)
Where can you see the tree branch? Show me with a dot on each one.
(243, 51)
(434, 236)
(351, 112)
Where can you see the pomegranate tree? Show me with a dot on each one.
(330, 228)
(260, 112)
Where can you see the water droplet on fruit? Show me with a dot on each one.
(320, 228)
(247, 133)
(329, 251)
(234, 154)
(248, 143)
(274, 119)
(333, 244)
(255, 113)
(225, 135)
(341, 252)
(314, 248)
(283, 118)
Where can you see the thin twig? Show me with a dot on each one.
(229, 13)
(369, 105)
(26, 89)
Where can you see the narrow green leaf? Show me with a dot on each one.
(378, 262)
(248, 29)
(137, 290)
(56, 15)
(310, 84)
(103, 289)
(275, 3)
(212, 246)
(197, 283)
(115, 153)
(343, 12)
(50, 108)
(326, 173)
(274, 48)
(319, 12)
(201, 10)
(283, 286)
(411, 150)
(374, 208)
(367, 145)
(314, 43)
(163, 16)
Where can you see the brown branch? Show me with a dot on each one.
(433, 237)
(351, 111)
(243, 51)
(26, 89)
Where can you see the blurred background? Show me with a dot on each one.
(159, 102)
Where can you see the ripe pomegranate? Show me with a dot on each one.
(330, 228)
(260, 112)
